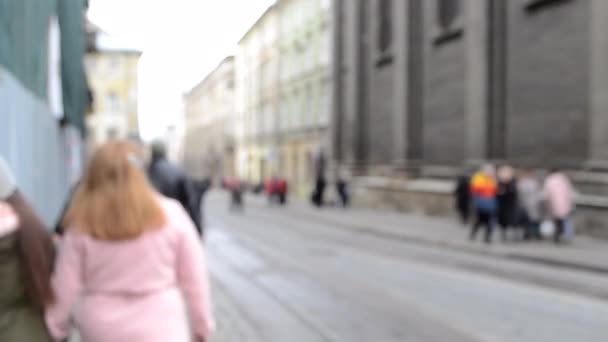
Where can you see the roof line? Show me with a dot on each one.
(210, 74)
(266, 12)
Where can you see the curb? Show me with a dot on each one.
(371, 231)
(368, 230)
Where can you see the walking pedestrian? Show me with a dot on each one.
(27, 254)
(318, 195)
(530, 200)
(272, 192)
(198, 189)
(484, 190)
(235, 187)
(507, 200)
(558, 193)
(342, 189)
(462, 198)
(129, 259)
(282, 190)
(320, 181)
(170, 180)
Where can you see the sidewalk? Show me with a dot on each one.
(583, 253)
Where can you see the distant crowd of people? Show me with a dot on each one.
(276, 188)
(523, 204)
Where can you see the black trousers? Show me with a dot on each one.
(560, 228)
(486, 219)
(319, 192)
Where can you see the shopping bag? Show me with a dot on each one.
(547, 229)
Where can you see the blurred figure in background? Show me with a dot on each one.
(318, 194)
(130, 259)
(462, 198)
(507, 200)
(530, 200)
(170, 180)
(282, 190)
(276, 190)
(558, 193)
(484, 190)
(235, 187)
(342, 189)
(27, 254)
(198, 189)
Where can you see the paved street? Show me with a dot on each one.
(279, 276)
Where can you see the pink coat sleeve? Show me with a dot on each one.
(67, 284)
(193, 279)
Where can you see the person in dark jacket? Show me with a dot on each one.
(198, 189)
(462, 198)
(170, 180)
(342, 190)
(507, 200)
(318, 193)
(27, 255)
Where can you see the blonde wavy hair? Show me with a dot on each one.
(115, 201)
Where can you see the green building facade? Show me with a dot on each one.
(43, 96)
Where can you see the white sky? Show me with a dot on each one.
(181, 40)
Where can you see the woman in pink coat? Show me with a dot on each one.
(130, 266)
(559, 195)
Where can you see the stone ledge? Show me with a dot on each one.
(418, 185)
(445, 187)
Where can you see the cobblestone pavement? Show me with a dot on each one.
(280, 277)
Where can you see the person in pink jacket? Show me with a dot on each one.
(558, 193)
(130, 266)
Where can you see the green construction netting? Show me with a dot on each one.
(24, 43)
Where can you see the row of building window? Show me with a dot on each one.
(308, 108)
(446, 16)
(298, 14)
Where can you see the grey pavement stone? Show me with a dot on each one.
(583, 252)
(359, 288)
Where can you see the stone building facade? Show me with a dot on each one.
(210, 114)
(305, 83)
(284, 91)
(257, 99)
(113, 75)
(423, 88)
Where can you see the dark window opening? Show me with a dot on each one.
(385, 37)
(448, 12)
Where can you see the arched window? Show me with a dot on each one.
(385, 32)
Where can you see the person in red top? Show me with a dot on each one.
(276, 189)
(484, 190)
(282, 190)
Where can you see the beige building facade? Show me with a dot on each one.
(113, 78)
(305, 48)
(257, 83)
(210, 114)
(283, 92)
